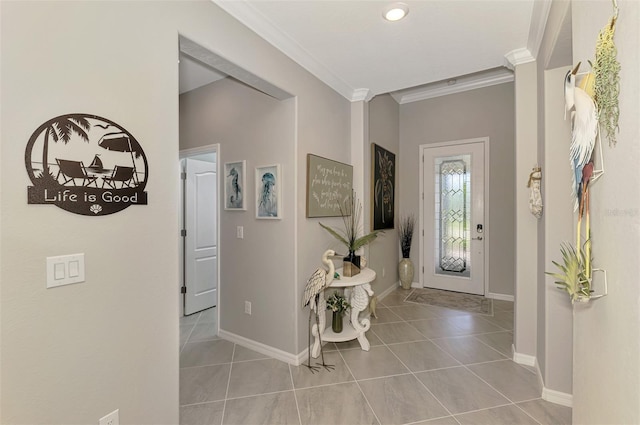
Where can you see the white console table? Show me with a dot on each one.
(357, 290)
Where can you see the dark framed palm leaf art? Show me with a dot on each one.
(383, 175)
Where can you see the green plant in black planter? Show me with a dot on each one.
(351, 212)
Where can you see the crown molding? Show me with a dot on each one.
(261, 25)
(462, 84)
(361, 94)
(518, 57)
(539, 16)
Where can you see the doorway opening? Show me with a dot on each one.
(200, 229)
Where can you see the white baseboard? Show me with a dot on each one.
(263, 348)
(415, 285)
(552, 396)
(557, 397)
(387, 291)
(502, 297)
(302, 357)
(524, 359)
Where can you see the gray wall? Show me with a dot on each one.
(606, 377)
(527, 266)
(477, 113)
(554, 348)
(323, 124)
(384, 130)
(75, 353)
(251, 126)
(556, 353)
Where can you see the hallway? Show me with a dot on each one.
(427, 364)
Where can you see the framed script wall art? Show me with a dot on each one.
(85, 164)
(234, 185)
(269, 192)
(329, 183)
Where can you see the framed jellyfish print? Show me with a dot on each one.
(269, 192)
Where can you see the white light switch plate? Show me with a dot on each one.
(65, 270)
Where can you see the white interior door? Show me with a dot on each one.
(200, 241)
(453, 217)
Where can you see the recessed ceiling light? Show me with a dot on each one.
(395, 12)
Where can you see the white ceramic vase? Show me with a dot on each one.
(405, 269)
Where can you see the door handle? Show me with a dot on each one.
(479, 238)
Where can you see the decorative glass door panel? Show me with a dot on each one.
(453, 255)
(453, 205)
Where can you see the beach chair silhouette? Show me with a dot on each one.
(121, 174)
(72, 170)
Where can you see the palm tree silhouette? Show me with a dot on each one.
(383, 189)
(62, 128)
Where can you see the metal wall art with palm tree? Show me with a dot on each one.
(55, 159)
(383, 187)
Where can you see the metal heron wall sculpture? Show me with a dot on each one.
(593, 103)
(316, 284)
(584, 130)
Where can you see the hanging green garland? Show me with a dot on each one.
(607, 81)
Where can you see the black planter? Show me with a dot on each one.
(336, 324)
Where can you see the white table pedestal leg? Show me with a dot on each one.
(359, 299)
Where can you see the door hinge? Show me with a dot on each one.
(423, 196)
(183, 233)
(422, 232)
(183, 176)
(183, 290)
(422, 269)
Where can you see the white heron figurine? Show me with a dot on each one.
(584, 129)
(316, 284)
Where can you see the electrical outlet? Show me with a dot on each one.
(247, 308)
(111, 419)
(240, 232)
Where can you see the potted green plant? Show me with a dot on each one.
(338, 304)
(405, 234)
(573, 276)
(575, 272)
(351, 212)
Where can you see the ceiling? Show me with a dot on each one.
(441, 46)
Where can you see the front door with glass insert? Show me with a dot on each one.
(453, 221)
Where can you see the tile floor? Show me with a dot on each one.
(427, 365)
